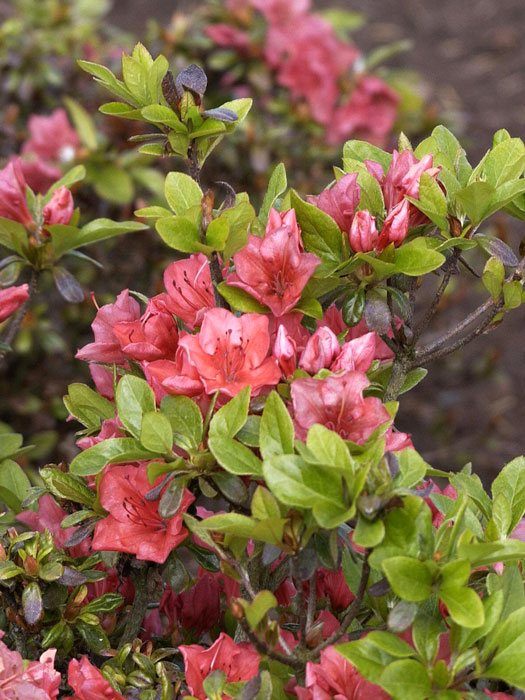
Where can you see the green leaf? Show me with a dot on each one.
(14, 479)
(160, 114)
(504, 162)
(239, 300)
(87, 406)
(409, 578)
(122, 110)
(217, 233)
(432, 201)
(276, 188)
(329, 448)
(71, 177)
(12, 235)
(96, 230)
(68, 486)
(83, 123)
(186, 420)
(113, 183)
(133, 397)
(235, 457)
(276, 435)
(493, 277)
(412, 468)
(362, 150)
(255, 611)
(182, 192)
(417, 257)
(181, 234)
(112, 451)
(310, 307)
(156, 433)
(485, 553)
(234, 523)
(474, 200)
(11, 443)
(406, 679)
(368, 533)
(320, 233)
(464, 605)
(508, 641)
(412, 379)
(510, 483)
(296, 483)
(171, 499)
(512, 294)
(264, 505)
(232, 416)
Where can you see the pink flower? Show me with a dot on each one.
(231, 352)
(39, 174)
(363, 234)
(335, 677)
(49, 516)
(519, 531)
(228, 36)
(333, 318)
(43, 675)
(60, 207)
(88, 683)
(52, 137)
(13, 201)
(274, 269)
(189, 289)
(240, 662)
(369, 113)
(333, 585)
(338, 403)
(285, 350)
(402, 179)
(395, 226)
(37, 680)
(110, 428)
(177, 376)
(11, 299)
(134, 524)
(151, 337)
(357, 354)
(340, 201)
(320, 351)
(106, 347)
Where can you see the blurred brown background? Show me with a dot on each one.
(473, 53)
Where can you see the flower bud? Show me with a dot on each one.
(320, 351)
(284, 350)
(59, 209)
(363, 234)
(395, 228)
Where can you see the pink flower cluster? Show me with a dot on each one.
(11, 299)
(400, 181)
(52, 143)
(317, 68)
(13, 199)
(22, 680)
(188, 346)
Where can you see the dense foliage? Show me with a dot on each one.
(242, 518)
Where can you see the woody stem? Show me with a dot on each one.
(138, 609)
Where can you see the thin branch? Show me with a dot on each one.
(263, 648)
(138, 608)
(449, 271)
(312, 603)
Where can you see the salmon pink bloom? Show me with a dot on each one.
(369, 113)
(60, 207)
(39, 174)
(333, 585)
(11, 299)
(88, 683)
(240, 662)
(363, 235)
(320, 351)
(357, 354)
(395, 226)
(275, 269)
(134, 524)
(13, 200)
(335, 677)
(52, 137)
(285, 350)
(340, 201)
(49, 516)
(106, 347)
(337, 402)
(231, 352)
(151, 337)
(19, 680)
(177, 376)
(189, 289)
(228, 36)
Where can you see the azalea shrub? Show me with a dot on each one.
(243, 518)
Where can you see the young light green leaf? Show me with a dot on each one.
(276, 435)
